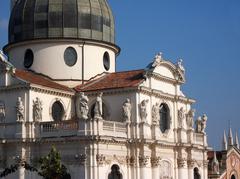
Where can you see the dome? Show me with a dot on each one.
(61, 19)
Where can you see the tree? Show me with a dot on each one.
(51, 166)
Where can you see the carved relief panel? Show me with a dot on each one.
(165, 170)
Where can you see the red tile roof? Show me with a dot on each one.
(38, 79)
(124, 79)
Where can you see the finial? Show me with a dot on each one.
(9, 67)
(230, 137)
(224, 142)
(215, 157)
(2, 56)
(236, 141)
(215, 164)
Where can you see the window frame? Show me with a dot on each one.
(167, 121)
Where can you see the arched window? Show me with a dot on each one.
(164, 118)
(57, 111)
(196, 173)
(115, 173)
(233, 177)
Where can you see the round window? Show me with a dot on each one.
(57, 111)
(106, 61)
(70, 56)
(28, 58)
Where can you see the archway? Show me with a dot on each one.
(115, 173)
(196, 173)
(233, 177)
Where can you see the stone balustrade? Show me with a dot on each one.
(113, 128)
(60, 128)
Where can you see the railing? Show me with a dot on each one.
(7, 130)
(58, 129)
(61, 128)
(113, 128)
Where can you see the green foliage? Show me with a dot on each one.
(15, 167)
(51, 166)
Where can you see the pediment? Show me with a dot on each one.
(169, 71)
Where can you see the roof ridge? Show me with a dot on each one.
(128, 71)
(89, 83)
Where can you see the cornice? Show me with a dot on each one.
(143, 90)
(111, 46)
(37, 88)
(158, 93)
(52, 91)
(165, 79)
(104, 140)
(112, 91)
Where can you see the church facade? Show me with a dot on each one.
(225, 164)
(59, 87)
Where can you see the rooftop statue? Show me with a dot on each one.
(157, 60)
(180, 65)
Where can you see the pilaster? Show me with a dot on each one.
(20, 130)
(182, 135)
(145, 130)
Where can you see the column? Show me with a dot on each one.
(155, 167)
(190, 169)
(205, 169)
(182, 170)
(144, 162)
(20, 130)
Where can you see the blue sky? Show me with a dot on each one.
(205, 34)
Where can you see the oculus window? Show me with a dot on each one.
(57, 111)
(70, 56)
(164, 117)
(106, 61)
(28, 58)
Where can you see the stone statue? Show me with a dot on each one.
(82, 106)
(2, 111)
(201, 124)
(37, 110)
(204, 123)
(157, 60)
(190, 118)
(155, 114)
(126, 108)
(198, 124)
(180, 65)
(98, 108)
(143, 110)
(20, 110)
(181, 117)
(2, 56)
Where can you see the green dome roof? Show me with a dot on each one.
(61, 19)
